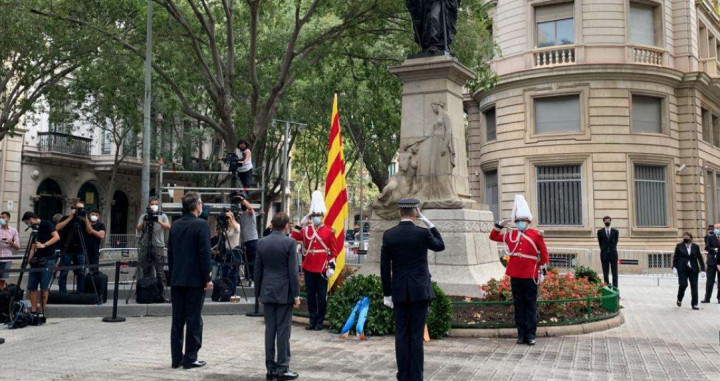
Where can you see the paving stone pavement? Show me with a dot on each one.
(658, 342)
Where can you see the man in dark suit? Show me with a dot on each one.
(278, 287)
(190, 269)
(608, 240)
(406, 284)
(687, 265)
(712, 246)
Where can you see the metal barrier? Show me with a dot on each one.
(121, 240)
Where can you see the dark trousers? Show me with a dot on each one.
(524, 291)
(154, 260)
(683, 276)
(73, 259)
(245, 178)
(187, 305)
(316, 287)
(278, 319)
(410, 320)
(610, 263)
(711, 272)
(94, 259)
(250, 249)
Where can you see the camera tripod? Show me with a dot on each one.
(145, 241)
(75, 231)
(12, 311)
(234, 262)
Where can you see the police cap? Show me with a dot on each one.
(408, 203)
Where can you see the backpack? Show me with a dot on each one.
(149, 290)
(222, 290)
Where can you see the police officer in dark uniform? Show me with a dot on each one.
(406, 284)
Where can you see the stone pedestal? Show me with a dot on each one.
(432, 116)
(469, 259)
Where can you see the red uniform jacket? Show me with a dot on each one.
(518, 267)
(316, 255)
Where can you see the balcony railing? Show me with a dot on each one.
(554, 56)
(64, 143)
(647, 56)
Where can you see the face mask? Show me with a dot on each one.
(686, 240)
(717, 231)
(93, 218)
(317, 221)
(154, 208)
(521, 225)
(2, 222)
(607, 224)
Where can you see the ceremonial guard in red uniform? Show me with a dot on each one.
(317, 242)
(528, 257)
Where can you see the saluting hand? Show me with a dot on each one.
(504, 222)
(425, 220)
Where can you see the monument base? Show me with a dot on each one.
(469, 260)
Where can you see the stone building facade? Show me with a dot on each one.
(603, 107)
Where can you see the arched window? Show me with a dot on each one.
(50, 201)
(90, 196)
(119, 213)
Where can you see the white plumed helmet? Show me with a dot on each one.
(521, 209)
(317, 204)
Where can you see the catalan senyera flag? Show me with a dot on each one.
(336, 199)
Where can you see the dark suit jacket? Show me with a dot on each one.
(682, 257)
(404, 264)
(608, 245)
(189, 252)
(712, 247)
(276, 269)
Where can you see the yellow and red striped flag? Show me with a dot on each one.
(336, 198)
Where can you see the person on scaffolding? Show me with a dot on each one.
(528, 258)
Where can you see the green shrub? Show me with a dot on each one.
(440, 316)
(380, 319)
(586, 272)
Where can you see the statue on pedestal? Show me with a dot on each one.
(434, 23)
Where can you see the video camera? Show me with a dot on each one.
(80, 212)
(233, 161)
(152, 216)
(236, 198)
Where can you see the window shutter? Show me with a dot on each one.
(646, 114)
(491, 193)
(554, 12)
(491, 124)
(650, 196)
(559, 192)
(557, 114)
(642, 24)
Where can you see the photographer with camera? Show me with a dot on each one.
(152, 249)
(96, 233)
(75, 244)
(245, 165)
(228, 256)
(9, 241)
(248, 223)
(41, 256)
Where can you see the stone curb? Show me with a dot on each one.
(563, 330)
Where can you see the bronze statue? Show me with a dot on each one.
(433, 23)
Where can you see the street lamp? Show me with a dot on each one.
(286, 144)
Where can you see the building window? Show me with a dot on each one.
(491, 192)
(642, 24)
(555, 25)
(709, 195)
(646, 114)
(650, 196)
(107, 142)
(392, 169)
(557, 114)
(559, 195)
(714, 214)
(490, 124)
(715, 131)
(706, 126)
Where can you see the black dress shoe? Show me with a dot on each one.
(176, 365)
(311, 327)
(288, 375)
(196, 364)
(705, 301)
(272, 375)
(679, 303)
(695, 307)
(520, 340)
(531, 340)
(318, 327)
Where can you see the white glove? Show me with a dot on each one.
(674, 271)
(387, 301)
(305, 219)
(703, 275)
(329, 272)
(425, 220)
(504, 222)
